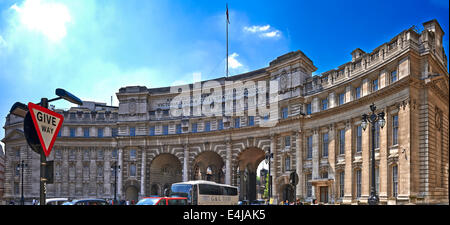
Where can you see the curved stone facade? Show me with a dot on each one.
(159, 136)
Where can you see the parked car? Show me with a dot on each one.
(56, 201)
(163, 201)
(258, 202)
(90, 201)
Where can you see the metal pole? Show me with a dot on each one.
(22, 200)
(227, 41)
(373, 199)
(115, 183)
(42, 180)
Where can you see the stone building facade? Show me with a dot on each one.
(317, 133)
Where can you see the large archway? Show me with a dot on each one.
(165, 170)
(208, 165)
(248, 161)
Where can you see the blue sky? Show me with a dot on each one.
(92, 48)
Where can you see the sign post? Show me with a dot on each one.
(47, 124)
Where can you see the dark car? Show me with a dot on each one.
(90, 201)
(163, 201)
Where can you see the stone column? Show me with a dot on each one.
(228, 163)
(315, 105)
(143, 168)
(107, 173)
(366, 148)
(348, 94)
(404, 153)
(185, 163)
(348, 186)
(299, 163)
(365, 87)
(332, 160)
(382, 166)
(119, 176)
(315, 159)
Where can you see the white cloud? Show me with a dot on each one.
(233, 62)
(254, 29)
(263, 31)
(47, 18)
(271, 34)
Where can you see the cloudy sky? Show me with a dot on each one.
(93, 47)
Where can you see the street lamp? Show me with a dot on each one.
(269, 156)
(114, 168)
(22, 165)
(373, 118)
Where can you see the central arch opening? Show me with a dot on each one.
(208, 165)
(251, 162)
(165, 170)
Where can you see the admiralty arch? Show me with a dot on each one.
(317, 133)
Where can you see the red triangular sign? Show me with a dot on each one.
(47, 124)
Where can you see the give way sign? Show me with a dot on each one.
(47, 124)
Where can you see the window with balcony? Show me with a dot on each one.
(375, 85)
(72, 132)
(194, 128)
(132, 131)
(165, 129)
(178, 129)
(207, 126)
(220, 124)
(394, 181)
(308, 109)
(100, 132)
(284, 112)
(237, 122)
(251, 121)
(358, 92)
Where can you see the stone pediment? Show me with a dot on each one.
(14, 135)
(439, 84)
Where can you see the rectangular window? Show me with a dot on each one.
(194, 128)
(287, 141)
(308, 109)
(341, 184)
(342, 141)
(178, 129)
(152, 131)
(132, 170)
(375, 85)
(237, 122)
(165, 129)
(341, 98)
(309, 143)
(251, 120)
(358, 183)
(100, 132)
(59, 132)
(132, 131)
(395, 130)
(132, 153)
(394, 181)
(325, 145)
(114, 132)
(357, 92)
(114, 154)
(393, 76)
(358, 138)
(287, 163)
(86, 132)
(284, 112)
(325, 104)
(207, 126)
(72, 132)
(220, 125)
(308, 185)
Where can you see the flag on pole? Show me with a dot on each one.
(228, 16)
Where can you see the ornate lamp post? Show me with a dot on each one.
(21, 166)
(373, 118)
(114, 168)
(268, 159)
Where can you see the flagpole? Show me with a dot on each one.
(227, 39)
